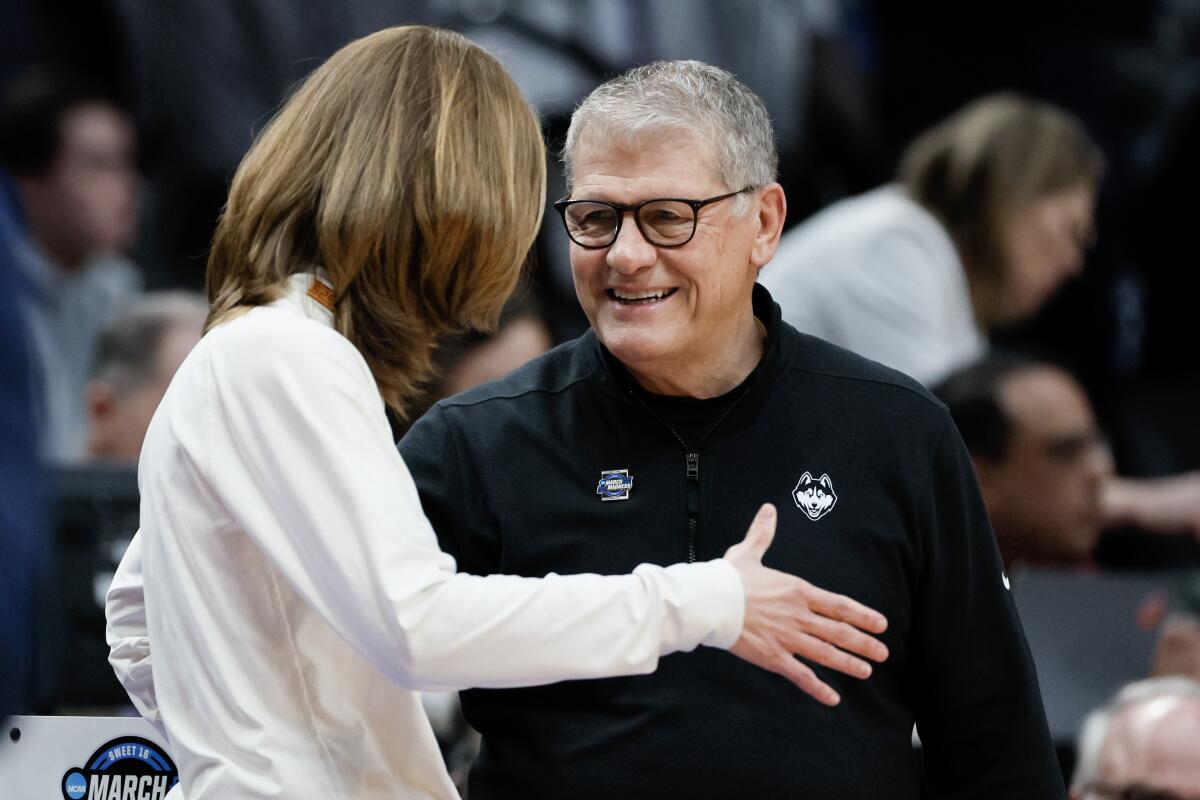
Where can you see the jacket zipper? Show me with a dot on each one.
(692, 465)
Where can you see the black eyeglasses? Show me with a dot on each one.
(664, 222)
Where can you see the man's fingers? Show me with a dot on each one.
(848, 638)
(761, 532)
(842, 608)
(808, 681)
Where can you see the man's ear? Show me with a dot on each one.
(770, 214)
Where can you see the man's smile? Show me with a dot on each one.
(639, 296)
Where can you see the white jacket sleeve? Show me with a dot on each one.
(301, 455)
(128, 637)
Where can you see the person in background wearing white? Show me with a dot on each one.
(284, 571)
(990, 214)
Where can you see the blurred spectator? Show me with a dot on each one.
(136, 358)
(1142, 745)
(22, 513)
(1045, 470)
(476, 358)
(71, 155)
(466, 360)
(990, 215)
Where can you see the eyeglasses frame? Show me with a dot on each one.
(636, 209)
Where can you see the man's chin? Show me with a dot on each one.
(634, 348)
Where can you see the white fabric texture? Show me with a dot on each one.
(878, 275)
(296, 597)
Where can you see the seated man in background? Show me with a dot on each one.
(687, 404)
(70, 153)
(136, 357)
(1046, 472)
(1142, 745)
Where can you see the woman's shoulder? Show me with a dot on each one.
(271, 341)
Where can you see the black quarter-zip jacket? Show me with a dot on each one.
(510, 476)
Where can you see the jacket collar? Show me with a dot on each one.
(301, 292)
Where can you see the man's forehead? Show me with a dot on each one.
(1046, 398)
(653, 161)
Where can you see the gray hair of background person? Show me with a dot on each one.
(126, 355)
(991, 158)
(684, 98)
(1095, 729)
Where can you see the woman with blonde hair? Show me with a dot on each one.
(990, 214)
(284, 570)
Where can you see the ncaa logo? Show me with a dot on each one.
(615, 484)
(128, 768)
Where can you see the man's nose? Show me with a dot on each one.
(630, 251)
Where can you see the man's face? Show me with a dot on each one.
(703, 287)
(119, 421)
(1044, 498)
(87, 203)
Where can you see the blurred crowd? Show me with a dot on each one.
(998, 208)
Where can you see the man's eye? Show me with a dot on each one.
(595, 219)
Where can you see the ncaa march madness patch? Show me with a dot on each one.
(128, 768)
(615, 484)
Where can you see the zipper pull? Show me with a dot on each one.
(693, 466)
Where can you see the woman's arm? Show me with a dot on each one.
(128, 637)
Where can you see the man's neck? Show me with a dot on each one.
(711, 376)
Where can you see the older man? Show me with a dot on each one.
(1142, 745)
(136, 357)
(686, 405)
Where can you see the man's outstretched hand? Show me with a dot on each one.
(788, 617)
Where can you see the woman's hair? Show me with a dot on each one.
(683, 99)
(990, 159)
(408, 167)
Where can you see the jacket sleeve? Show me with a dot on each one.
(127, 634)
(978, 707)
(302, 457)
(448, 494)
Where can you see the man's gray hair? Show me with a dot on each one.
(683, 98)
(127, 352)
(1096, 727)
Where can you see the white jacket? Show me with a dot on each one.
(296, 595)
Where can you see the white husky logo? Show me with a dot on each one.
(814, 497)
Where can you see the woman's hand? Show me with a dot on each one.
(788, 617)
